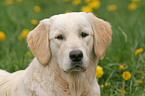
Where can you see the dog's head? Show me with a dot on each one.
(70, 39)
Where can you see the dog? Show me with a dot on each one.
(66, 48)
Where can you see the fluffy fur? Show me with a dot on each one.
(48, 74)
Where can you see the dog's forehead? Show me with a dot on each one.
(69, 20)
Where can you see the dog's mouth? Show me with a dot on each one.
(76, 67)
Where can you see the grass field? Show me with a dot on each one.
(128, 24)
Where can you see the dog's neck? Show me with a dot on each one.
(56, 80)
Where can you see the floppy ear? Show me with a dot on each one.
(38, 42)
(102, 35)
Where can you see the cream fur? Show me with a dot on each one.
(47, 74)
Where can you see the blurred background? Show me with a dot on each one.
(120, 73)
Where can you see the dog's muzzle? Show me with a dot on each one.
(76, 57)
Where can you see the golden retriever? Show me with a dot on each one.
(67, 48)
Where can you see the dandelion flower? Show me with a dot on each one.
(19, 0)
(138, 51)
(76, 2)
(99, 72)
(102, 86)
(34, 22)
(37, 8)
(2, 36)
(87, 1)
(107, 84)
(23, 34)
(132, 6)
(121, 91)
(126, 75)
(121, 67)
(139, 81)
(86, 9)
(29, 54)
(94, 4)
(9, 2)
(112, 7)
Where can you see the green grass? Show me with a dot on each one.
(128, 35)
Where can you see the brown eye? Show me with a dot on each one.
(83, 35)
(59, 37)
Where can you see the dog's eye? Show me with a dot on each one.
(83, 35)
(60, 37)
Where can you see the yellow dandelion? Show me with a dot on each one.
(132, 6)
(135, 0)
(29, 54)
(86, 9)
(94, 4)
(111, 95)
(121, 67)
(23, 34)
(9, 2)
(19, 0)
(139, 81)
(37, 8)
(107, 84)
(138, 51)
(102, 86)
(112, 7)
(126, 75)
(34, 22)
(87, 1)
(122, 92)
(2, 36)
(76, 2)
(99, 72)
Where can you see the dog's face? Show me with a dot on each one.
(70, 39)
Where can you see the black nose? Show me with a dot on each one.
(76, 55)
